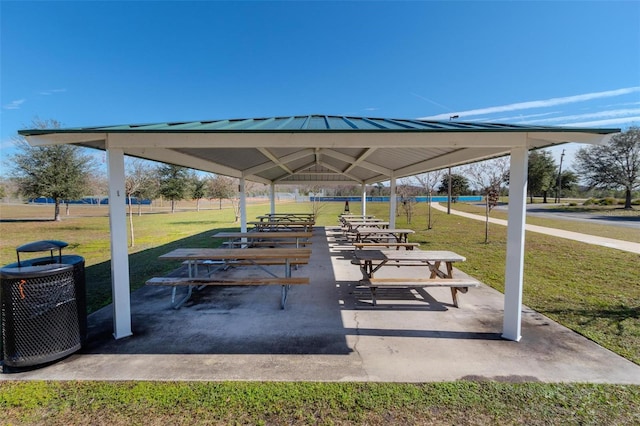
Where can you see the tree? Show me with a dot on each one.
(198, 189)
(139, 177)
(613, 166)
(487, 177)
(459, 184)
(60, 172)
(541, 174)
(222, 188)
(174, 182)
(428, 181)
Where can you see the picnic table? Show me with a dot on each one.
(291, 217)
(353, 226)
(266, 238)
(377, 235)
(282, 225)
(224, 259)
(370, 261)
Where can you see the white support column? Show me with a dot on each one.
(392, 203)
(364, 199)
(272, 196)
(243, 206)
(120, 288)
(514, 274)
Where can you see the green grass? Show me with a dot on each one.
(476, 403)
(590, 289)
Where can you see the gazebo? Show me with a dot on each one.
(318, 150)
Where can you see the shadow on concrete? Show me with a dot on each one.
(248, 319)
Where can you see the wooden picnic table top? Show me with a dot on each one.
(286, 215)
(282, 223)
(236, 253)
(264, 235)
(394, 231)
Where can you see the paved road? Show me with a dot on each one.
(576, 236)
(546, 212)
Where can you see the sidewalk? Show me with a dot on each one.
(330, 331)
(569, 235)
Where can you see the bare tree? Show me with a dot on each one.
(487, 178)
(139, 175)
(429, 181)
(222, 188)
(615, 165)
(407, 193)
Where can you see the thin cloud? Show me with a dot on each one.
(51, 92)
(371, 109)
(514, 117)
(629, 121)
(14, 104)
(430, 101)
(618, 113)
(538, 104)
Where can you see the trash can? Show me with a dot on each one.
(43, 300)
(39, 314)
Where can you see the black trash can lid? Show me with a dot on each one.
(45, 245)
(27, 272)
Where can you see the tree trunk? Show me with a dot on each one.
(486, 222)
(544, 197)
(173, 206)
(133, 240)
(220, 199)
(66, 207)
(56, 211)
(627, 198)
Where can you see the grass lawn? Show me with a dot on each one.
(459, 403)
(593, 290)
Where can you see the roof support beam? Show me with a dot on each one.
(275, 159)
(120, 286)
(514, 274)
(349, 159)
(360, 159)
(283, 160)
(335, 169)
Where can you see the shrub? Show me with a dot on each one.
(589, 202)
(573, 204)
(609, 201)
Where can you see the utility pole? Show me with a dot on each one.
(559, 181)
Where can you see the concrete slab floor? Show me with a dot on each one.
(329, 331)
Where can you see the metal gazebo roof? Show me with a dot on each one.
(317, 149)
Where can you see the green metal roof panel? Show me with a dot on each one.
(315, 123)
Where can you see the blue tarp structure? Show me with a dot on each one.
(424, 199)
(88, 200)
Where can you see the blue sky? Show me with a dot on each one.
(90, 63)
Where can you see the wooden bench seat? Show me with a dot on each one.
(173, 281)
(246, 262)
(456, 284)
(407, 246)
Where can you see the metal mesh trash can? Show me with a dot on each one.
(39, 314)
(78, 272)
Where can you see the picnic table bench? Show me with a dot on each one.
(371, 261)
(389, 244)
(224, 259)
